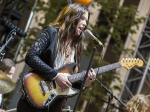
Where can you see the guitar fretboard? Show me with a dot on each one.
(81, 75)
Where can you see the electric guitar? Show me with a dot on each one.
(41, 93)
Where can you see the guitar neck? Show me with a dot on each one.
(80, 76)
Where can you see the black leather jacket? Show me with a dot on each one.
(42, 53)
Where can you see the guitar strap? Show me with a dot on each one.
(54, 84)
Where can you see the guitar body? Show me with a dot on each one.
(41, 93)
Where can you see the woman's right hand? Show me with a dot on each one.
(62, 81)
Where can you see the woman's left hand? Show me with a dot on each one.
(91, 77)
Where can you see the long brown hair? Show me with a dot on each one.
(6, 64)
(66, 24)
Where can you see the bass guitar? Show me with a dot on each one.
(41, 93)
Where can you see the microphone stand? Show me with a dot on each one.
(89, 66)
(111, 96)
(12, 33)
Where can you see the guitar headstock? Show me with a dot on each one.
(129, 63)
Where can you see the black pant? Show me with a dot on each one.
(24, 106)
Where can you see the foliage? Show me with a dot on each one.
(120, 19)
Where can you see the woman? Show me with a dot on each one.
(58, 44)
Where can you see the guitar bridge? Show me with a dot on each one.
(44, 87)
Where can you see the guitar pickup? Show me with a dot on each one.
(44, 87)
